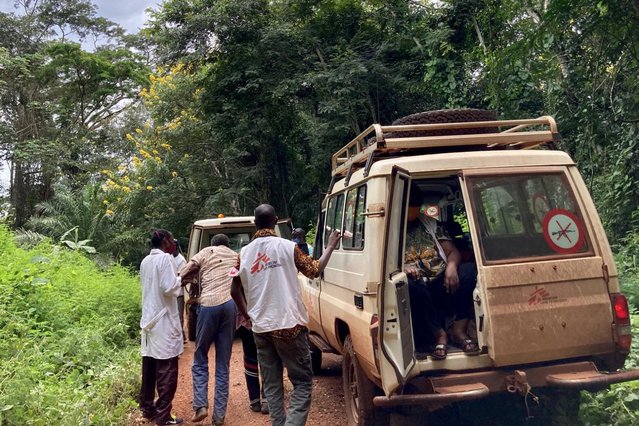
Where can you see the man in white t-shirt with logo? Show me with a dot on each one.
(272, 300)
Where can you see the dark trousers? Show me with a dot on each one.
(425, 314)
(180, 301)
(430, 304)
(251, 370)
(161, 374)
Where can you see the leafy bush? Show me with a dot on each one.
(69, 353)
(618, 405)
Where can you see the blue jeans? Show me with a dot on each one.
(215, 324)
(274, 354)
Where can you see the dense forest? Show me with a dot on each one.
(218, 105)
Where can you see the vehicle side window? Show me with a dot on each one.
(353, 233)
(334, 216)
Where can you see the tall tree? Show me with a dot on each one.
(55, 98)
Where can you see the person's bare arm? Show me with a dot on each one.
(237, 293)
(333, 240)
(451, 279)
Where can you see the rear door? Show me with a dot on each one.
(539, 268)
(397, 360)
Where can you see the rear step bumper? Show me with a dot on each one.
(589, 380)
(452, 388)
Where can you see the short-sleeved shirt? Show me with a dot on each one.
(421, 248)
(214, 264)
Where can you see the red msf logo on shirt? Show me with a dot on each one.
(260, 263)
(263, 262)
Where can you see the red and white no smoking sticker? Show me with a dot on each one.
(563, 231)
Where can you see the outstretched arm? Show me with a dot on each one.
(312, 268)
(333, 240)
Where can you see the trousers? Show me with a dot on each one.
(215, 325)
(274, 354)
(161, 374)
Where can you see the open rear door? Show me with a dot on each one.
(397, 360)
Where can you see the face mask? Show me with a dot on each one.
(170, 248)
(297, 240)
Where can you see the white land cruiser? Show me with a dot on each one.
(549, 317)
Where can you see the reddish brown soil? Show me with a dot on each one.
(327, 407)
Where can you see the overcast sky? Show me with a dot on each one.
(130, 14)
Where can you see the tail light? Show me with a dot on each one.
(374, 329)
(621, 327)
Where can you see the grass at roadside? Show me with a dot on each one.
(69, 353)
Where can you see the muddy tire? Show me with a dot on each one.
(316, 359)
(446, 116)
(359, 392)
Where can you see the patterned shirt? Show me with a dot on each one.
(214, 264)
(421, 248)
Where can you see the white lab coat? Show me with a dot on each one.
(160, 323)
(180, 261)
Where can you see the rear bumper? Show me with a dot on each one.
(452, 388)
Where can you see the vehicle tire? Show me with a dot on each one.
(316, 359)
(446, 116)
(359, 392)
(191, 314)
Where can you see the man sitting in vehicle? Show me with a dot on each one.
(436, 279)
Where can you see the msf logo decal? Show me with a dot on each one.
(263, 262)
(540, 296)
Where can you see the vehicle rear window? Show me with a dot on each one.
(525, 216)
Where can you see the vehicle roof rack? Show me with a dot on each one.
(378, 141)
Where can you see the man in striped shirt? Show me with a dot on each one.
(215, 325)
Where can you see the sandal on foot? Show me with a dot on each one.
(468, 346)
(437, 351)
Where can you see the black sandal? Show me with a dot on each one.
(439, 347)
(468, 346)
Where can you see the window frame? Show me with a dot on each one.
(327, 220)
(470, 178)
(357, 190)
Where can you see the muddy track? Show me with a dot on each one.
(327, 407)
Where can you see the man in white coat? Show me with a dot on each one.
(161, 332)
(180, 261)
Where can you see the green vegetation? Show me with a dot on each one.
(219, 105)
(69, 354)
(618, 405)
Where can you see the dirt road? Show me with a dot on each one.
(327, 407)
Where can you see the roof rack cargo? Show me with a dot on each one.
(378, 141)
